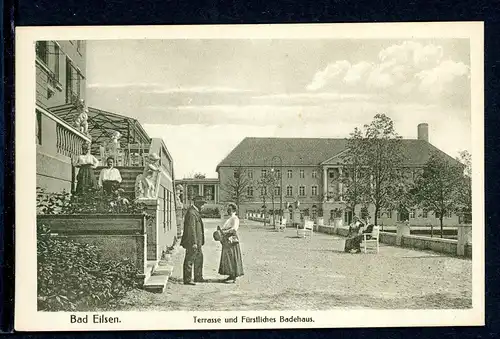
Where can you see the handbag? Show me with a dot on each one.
(217, 235)
(233, 239)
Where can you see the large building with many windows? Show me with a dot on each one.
(310, 171)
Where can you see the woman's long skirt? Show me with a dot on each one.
(85, 179)
(231, 263)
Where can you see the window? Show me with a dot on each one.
(331, 174)
(250, 191)
(437, 214)
(73, 84)
(289, 191)
(289, 174)
(425, 213)
(277, 191)
(263, 191)
(250, 174)
(235, 173)
(56, 62)
(278, 173)
(314, 190)
(314, 174)
(379, 214)
(301, 174)
(263, 173)
(302, 191)
(448, 214)
(38, 127)
(412, 214)
(69, 82)
(42, 51)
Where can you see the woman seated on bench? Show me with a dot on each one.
(355, 236)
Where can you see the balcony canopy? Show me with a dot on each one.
(102, 124)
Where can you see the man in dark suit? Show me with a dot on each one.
(192, 240)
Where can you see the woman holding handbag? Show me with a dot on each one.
(231, 263)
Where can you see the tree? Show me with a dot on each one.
(353, 179)
(237, 185)
(438, 187)
(266, 185)
(381, 155)
(465, 193)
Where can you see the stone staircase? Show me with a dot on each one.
(158, 273)
(129, 175)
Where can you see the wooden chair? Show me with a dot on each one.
(374, 237)
(308, 227)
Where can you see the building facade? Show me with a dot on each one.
(206, 187)
(310, 172)
(60, 79)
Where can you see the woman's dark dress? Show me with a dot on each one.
(231, 263)
(86, 179)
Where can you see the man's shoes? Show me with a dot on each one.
(189, 283)
(201, 280)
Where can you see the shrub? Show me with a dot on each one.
(73, 276)
(210, 212)
(91, 202)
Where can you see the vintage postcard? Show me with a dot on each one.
(249, 176)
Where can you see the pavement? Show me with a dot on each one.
(284, 272)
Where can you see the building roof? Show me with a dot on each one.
(311, 151)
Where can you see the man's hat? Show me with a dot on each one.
(199, 198)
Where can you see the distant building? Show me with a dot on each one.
(206, 187)
(310, 169)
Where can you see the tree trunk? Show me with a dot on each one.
(441, 223)
(274, 220)
(376, 216)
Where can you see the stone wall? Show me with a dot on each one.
(115, 236)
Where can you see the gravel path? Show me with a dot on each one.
(283, 272)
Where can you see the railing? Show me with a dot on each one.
(69, 141)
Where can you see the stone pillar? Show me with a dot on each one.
(200, 189)
(341, 188)
(153, 248)
(464, 238)
(325, 189)
(402, 230)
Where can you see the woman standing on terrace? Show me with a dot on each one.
(86, 163)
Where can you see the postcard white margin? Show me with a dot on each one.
(27, 318)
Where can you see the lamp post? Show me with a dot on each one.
(277, 157)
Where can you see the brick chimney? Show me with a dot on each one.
(423, 132)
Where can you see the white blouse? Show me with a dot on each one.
(87, 159)
(232, 223)
(109, 174)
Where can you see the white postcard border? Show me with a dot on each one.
(26, 315)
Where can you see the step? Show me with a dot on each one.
(164, 270)
(158, 281)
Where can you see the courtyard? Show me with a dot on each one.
(283, 272)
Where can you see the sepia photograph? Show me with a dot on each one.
(251, 179)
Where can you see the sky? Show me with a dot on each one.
(204, 96)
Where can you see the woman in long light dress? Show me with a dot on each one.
(86, 178)
(231, 263)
